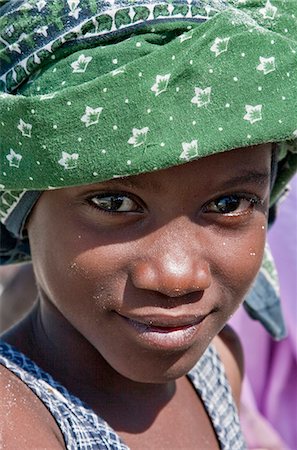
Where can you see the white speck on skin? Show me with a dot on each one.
(253, 254)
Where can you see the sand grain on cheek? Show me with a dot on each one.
(240, 262)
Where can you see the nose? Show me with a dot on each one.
(172, 266)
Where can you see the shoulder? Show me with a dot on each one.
(24, 418)
(230, 351)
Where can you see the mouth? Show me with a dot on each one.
(165, 332)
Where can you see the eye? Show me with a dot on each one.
(232, 204)
(115, 203)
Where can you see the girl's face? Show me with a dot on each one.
(148, 269)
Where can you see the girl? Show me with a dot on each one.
(145, 233)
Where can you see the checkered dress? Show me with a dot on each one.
(82, 429)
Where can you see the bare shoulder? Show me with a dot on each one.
(230, 350)
(25, 422)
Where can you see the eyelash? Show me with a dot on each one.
(116, 195)
(236, 198)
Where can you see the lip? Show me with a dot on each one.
(164, 331)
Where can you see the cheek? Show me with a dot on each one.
(239, 263)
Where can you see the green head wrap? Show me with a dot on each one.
(93, 90)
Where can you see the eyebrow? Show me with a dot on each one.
(134, 183)
(247, 177)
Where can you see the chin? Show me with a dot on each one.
(165, 368)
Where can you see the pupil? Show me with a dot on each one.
(111, 203)
(227, 204)
(116, 202)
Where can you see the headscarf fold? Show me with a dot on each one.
(93, 90)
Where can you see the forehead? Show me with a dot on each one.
(252, 164)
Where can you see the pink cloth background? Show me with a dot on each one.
(269, 401)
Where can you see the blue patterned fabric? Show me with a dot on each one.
(82, 429)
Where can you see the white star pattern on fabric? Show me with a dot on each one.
(9, 30)
(91, 116)
(15, 48)
(253, 113)
(68, 161)
(25, 128)
(138, 136)
(266, 65)
(295, 133)
(47, 96)
(186, 36)
(14, 158)
(40, 5)
(73, 6)
(160, 84)
(118, 71)
(269, 11)
(202, 96)
(220, 45)
(42, 30)
(190, 150)
(81, 64)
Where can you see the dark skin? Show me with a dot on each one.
(136, 277)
